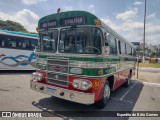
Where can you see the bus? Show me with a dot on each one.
(81, 59)
(17, 50)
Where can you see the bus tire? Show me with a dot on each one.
(127, 83)
(105, 97)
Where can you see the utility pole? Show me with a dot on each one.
(144, 31)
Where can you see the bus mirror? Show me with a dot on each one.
(106, 50)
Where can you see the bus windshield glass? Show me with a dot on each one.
(81, 40)
(49, 41)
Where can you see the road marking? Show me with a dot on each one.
(127, 91)
(152, 84)
(122, 100)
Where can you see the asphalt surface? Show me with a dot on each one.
(15, 95)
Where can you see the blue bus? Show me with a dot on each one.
(17, 50)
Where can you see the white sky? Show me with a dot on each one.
(124, 16)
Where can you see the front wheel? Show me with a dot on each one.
(105, 97)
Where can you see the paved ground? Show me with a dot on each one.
(142, 95)
(151, 70)
(148, 75)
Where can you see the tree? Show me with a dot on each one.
(152, 54)
(12, 26)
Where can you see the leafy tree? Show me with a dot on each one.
(12, 26)
(152, 54)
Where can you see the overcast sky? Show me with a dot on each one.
(124, 16)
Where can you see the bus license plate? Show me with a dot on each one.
(51, 89)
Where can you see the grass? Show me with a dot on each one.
(152, 65)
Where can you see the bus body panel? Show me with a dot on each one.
(14, 59)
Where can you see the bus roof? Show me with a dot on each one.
(20, 34)
(70, 18)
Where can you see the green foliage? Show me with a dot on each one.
(12, 26)
(151, 65)
(152, 54)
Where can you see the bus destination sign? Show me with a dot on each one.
(79, 20)
(50, 24)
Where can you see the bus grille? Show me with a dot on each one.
(57, 72)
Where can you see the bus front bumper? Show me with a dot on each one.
(79, 97)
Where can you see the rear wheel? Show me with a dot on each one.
(105, 97)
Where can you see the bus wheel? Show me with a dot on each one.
(105, 97)
(127, 83)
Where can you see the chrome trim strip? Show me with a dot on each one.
(69, 54)
(101, 75)
(58, 80)
(62, 81)
(86, 76)
(58, 84)
(79, 97)
(60, 73)
(58, 65)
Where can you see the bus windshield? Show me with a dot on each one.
(49, 41)
(81, 40)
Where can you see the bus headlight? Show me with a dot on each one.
(75, 83)
(81, 84)
(34, 75)
(37, 76)
(85, 85)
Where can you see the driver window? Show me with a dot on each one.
(110, 41)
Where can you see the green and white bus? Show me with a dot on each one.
(81, 59)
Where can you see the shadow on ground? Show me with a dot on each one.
(8, 72)
(122, 99)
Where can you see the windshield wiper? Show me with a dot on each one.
(70, 31)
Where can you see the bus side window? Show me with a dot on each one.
(134, 52)
(12, 42)
(19, 42)
(123, 47)
(107, 38)
(4, 40)
(2, 43)
(113, 45)
(33, 44)
(128, 50)
(25, 44)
